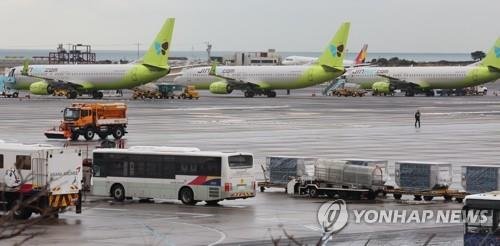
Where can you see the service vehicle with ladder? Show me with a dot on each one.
(88, 119)
(186, 174)
(39, 179)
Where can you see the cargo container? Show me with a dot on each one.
(382, 164)
(414, 175)
(481, 178)
(280, 169)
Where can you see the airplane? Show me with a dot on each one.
(90, 78)
(264, 80)
(302, 60)
(385, 80)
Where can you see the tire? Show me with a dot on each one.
(459, 200)
(448, 198)
(89, 134)
(21, 214)
(371, 195)
(183, 96)
(428, 198)
(262, 189)
(118, 192)
(271, 94)
(397, 196)
(102, 135)
(212, 203)
(186, 196)
(15, 95)
(417, 198)
(249, 94)
(118, 132)
(72, 95)
(313, 192)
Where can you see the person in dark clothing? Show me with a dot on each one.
(417, 118)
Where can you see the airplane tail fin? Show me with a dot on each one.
(361, 57)
(492, 59)
(157, 55)
(333, 56)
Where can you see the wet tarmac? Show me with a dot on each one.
(460, 130)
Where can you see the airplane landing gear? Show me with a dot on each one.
(270, 93)
(249, 94)
(97, 95)
(72, 95)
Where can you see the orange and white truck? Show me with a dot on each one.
(88, 119)
(40, 179)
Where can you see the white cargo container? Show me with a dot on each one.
(416, 175)
(51, 174)
(282, 168)
(481, 178)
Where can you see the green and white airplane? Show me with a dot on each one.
(384, 80)
(90, 78)
(263, 80)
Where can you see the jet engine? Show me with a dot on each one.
(382, 87)
(220, 88)
(41, 88)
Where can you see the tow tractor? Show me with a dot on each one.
(85, 119)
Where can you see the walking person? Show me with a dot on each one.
(417, 118)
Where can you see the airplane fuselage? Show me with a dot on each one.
(267, 77)
(90, 76)
(446, 77)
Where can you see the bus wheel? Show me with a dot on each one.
(186, 195)
(22, 213)
(212, 203)
(118, 192)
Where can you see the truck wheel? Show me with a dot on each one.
(417, 198)
(448, 198)
(428, 198)
(262, 189)
(212, 203)
(187, 196)
(459, 200)
(15, 94)
(313, 192)
(397, 196)
(74, 136)
(183, 96)
(118, 133)
(102, 135)
(22, 213)
(89, 134)
(118, 192)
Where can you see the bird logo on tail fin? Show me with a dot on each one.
(497, 52)
(336, 50)
(161, 48)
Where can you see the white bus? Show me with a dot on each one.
(187, 174)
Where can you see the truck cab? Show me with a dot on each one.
(484, 230)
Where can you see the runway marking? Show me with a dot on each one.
(111, 209)
(224, 108)
(196, 215)
(313, 228)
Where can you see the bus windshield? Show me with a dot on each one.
(240, 161)
(490, 226)
(71, 114)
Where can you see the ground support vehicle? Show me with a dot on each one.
(338, 179)
(85, 119)
(40, 179)
(428, 195)
(348, 92)
(166, 91)
(482, 232)
(5, 91)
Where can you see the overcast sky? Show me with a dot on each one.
(287, 25)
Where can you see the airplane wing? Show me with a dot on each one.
(402, 83)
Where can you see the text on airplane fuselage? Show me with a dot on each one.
(370, 71)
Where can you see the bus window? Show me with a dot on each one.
(240, 161)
